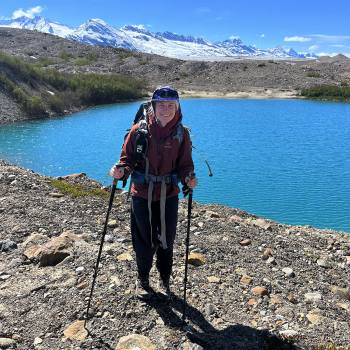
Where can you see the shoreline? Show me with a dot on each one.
(326, 230)
(250, 94)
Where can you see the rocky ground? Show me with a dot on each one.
(237, 78)
(253, 283)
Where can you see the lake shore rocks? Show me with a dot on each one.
(236, 297)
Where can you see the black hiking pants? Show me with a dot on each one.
(141, 235)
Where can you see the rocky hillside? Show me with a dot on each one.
(193, 78)
(253, 283)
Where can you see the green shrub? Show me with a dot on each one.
(122, 53)
(70, 89)
(83, 61)
(34, 106)
(313, 75)
(92, 56)
(65, 55)
(328, 92)
(56, 103)
(45, 61)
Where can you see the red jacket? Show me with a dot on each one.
(165, 153)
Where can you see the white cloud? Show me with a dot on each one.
(233, 37)
(313, 47)
(299, 39)
(338, 45)
(262, 35)
(330, 38)
(28, 13)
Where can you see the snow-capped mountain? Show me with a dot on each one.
(98, 32)
(38, 23)
(138, 38)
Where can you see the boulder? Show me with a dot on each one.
(288, 272)
(196, 259)
(288, 333)
(314, 316)
(112, 224)
(262, 224)
(6, 343)
(72, 176)
(54, 251)
(191, 346)
(246, 280)
(252, 302)
(56, 194)
(35, 239)
(245, 242)
(323, 263)
(213, 279)
(7, 245)
(212, 214)
(271, 261)
(342, 293)
(261, 291)
(135, 342)
(76, 331)
(312, 297)
(124, 257)
(267, 253)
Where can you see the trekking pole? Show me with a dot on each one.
(114, 186)
(189, 210)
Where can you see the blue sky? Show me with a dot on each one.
(307, 26)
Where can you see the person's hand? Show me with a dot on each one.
(191, 181)
(117, 172)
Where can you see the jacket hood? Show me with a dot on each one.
(159, 131)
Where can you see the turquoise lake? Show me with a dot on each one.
(287, 160)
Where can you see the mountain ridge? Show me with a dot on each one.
(96, 31)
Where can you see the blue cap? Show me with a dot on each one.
(165, 93)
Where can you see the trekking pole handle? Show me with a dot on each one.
(186, 189)
(123, 179)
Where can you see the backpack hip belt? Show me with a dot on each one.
(141, 178)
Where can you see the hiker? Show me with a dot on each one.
(166, 160)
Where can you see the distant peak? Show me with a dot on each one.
(97, 20)
(139, 28)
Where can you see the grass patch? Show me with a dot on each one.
(22, 81)
(83, 61)
(327, 92)
(32, 105)
(77, 190)
(122, 53)
(313, 75)
(64, 55)
(45, 61)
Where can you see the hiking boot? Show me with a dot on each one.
(164, 287)
(143, 289)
